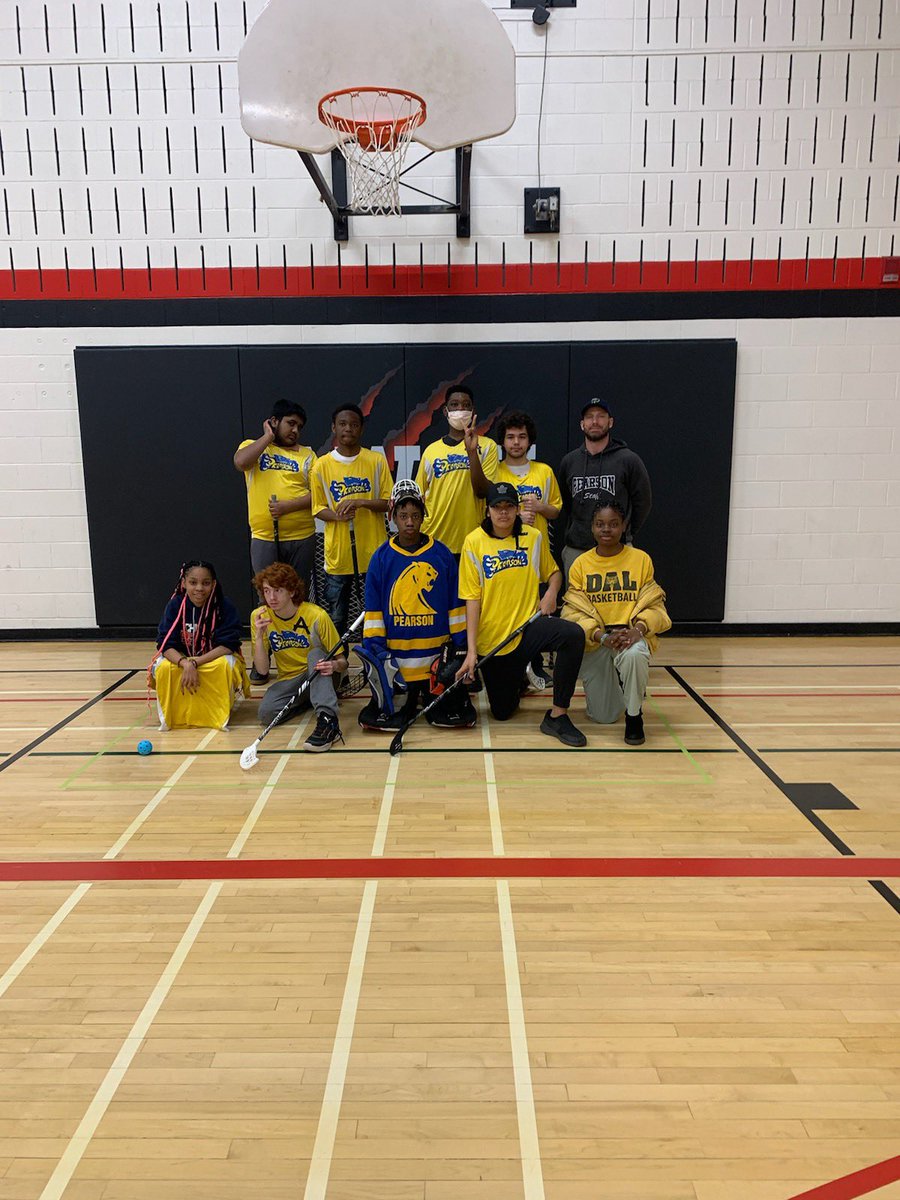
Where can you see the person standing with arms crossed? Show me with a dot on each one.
(276, 468)
(602, 468)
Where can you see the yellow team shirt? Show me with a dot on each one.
(291, 641)
(540, 482)
(444, 481)
(612, 584)
(368, 477)
(505, 578)
(284, 473)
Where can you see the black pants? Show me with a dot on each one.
(503, 675)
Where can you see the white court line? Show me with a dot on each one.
(490, 778)
(154, 802)
(526, 1117)
(329, 1114)
(87, 1127)
(41, 937)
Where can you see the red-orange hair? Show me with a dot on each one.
(280, 575)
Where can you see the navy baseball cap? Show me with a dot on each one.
(502, 493)
(596, 402)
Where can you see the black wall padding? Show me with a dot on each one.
(160, 425)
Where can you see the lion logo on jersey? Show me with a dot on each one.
(407, 603)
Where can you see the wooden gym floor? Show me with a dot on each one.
(489, 969)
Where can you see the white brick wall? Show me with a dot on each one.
(615, 129)
(816, 485)
(815, 500)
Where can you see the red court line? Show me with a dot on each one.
(860, 1183)
(452, 868)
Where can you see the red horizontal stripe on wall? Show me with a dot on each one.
(165, 283)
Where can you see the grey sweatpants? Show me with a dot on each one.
(615, 681)
(300, 555)
(320, 694)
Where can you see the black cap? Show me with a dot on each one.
(596, 402)
(502, 493)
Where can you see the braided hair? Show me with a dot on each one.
(200, 639)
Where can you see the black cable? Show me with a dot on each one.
(541, 105)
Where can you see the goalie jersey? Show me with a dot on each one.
(413, 605)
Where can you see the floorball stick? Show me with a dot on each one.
(249, 757)
(397, 743)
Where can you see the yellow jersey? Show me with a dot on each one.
(538, 481)
(504, 574)
(366, 476)
(612, 584)
(283, 472)
(290, 641)
(444, 481)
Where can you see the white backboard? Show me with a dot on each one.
(455, 54)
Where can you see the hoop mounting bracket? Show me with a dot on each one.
(336, 196)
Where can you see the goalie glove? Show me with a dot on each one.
(444, 668)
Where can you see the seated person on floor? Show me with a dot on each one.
(412, 609)
(502, 566)
(299, 636)
(621, 608)
(198, 672)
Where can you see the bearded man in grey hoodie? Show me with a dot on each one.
(602, 468)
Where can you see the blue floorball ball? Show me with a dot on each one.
(145, 747)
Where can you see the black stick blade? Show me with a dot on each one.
(397, 743)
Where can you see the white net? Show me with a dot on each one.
(376, 126)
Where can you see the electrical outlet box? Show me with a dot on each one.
(542, 210)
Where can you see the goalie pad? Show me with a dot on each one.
(384, 679)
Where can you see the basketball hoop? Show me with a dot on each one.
(376, 126)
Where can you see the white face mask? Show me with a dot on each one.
(459, 418)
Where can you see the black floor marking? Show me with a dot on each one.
(382, 749)
(66, 721)
(886, 893)
(829, 749)
(823, 796)
(803, 801)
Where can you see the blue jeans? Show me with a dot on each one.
(336, 598)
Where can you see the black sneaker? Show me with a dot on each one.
(325, 734)
(255, 676)
(562, 728)
(634, 730)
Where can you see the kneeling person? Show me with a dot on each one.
(621, 608)
(299, 636)
(412, 609)
(502, 566)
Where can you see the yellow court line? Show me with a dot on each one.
(329, 1113)
(526, 1117)
(103, 1097)
(49, 928)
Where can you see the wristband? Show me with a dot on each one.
(181, 660)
